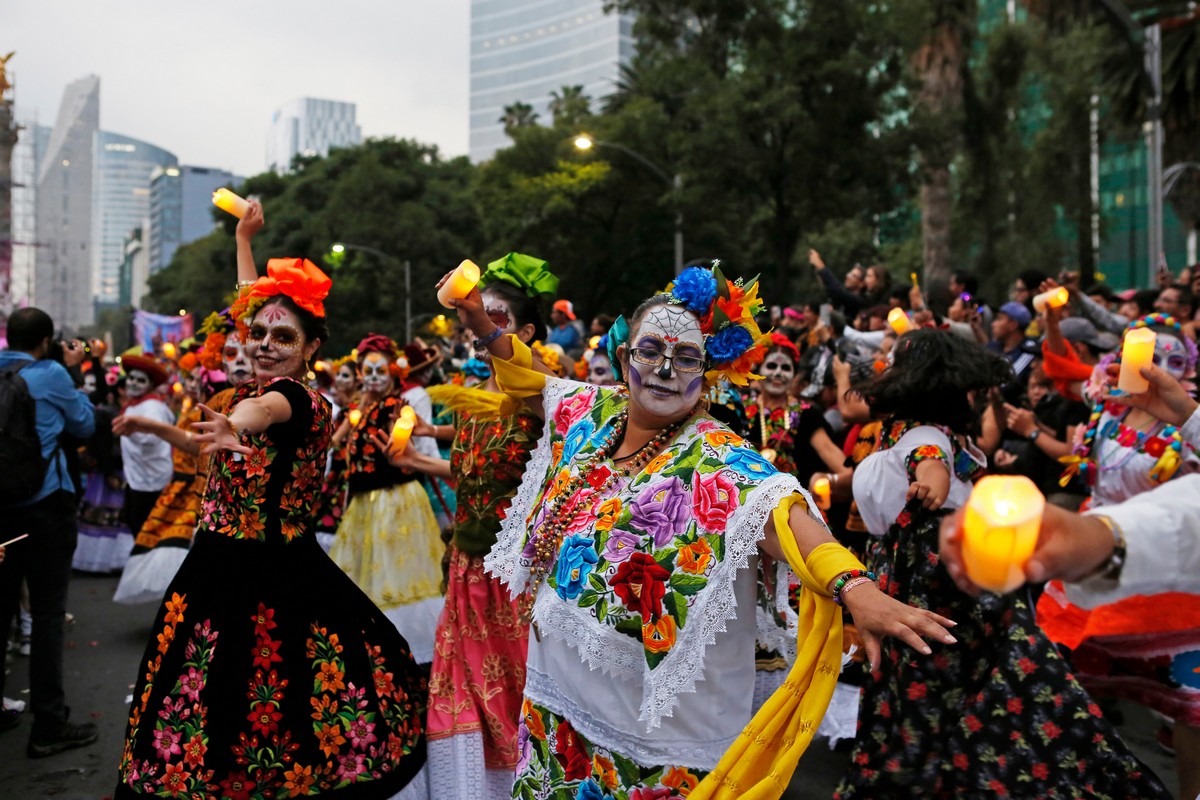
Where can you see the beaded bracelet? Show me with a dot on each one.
(479, 344)
(840, 584)
(851, 585)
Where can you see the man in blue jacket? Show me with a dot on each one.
(43, 560)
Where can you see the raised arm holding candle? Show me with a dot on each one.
(1054, 298)
(898, 319)
(229, 202)
(459, 284)
(1137, 351)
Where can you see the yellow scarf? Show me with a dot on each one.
(478, 402)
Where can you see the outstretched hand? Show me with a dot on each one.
(216, 432)
(876, 615)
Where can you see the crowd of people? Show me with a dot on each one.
(650, 558)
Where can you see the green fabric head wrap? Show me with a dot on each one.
(618, 335)
(526, 273)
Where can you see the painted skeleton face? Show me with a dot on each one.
(89, 383)
(600, 371)
(376, 373)
(346, 379)
(191, 384)
(500, 313)
(778, 371)
(666, 362)
(1171, 355)
(137, 383)
(275, 343)
(237, 363)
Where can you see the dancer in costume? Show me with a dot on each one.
(1144, 648)
(999, 714)
(280, 678)
(388, 541)
(635, 544)
(104, 538)
(479, 664)
(145, 457)
(332, 501)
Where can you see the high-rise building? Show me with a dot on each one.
(32, 140)
(307, 126)
(120, 203)
(181, 208)
(522, 50)
(63, 280)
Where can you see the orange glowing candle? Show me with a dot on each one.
(1136, 352)
(354, 415)
(177, 387)
(821, 493)
(1055, 298)
(230, 202)
(459, 284)
(899, 321)
(402, 430)
(1000, 530)
(169, 350)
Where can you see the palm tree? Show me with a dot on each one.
(518, 115)
(569, 105)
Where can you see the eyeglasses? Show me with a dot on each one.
(652, 358)
(281, 335)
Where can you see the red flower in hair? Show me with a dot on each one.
(779, 340)
(299, 279)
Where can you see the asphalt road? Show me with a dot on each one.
(105, 644)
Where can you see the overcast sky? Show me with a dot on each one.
(201, 78)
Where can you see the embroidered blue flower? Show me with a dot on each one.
(576, 438)
(745, 461)
(590, 790)
(696, 288)
(575, 561)
(729, 344)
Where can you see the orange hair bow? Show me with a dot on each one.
(299, 279)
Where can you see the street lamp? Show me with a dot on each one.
(341, 247)
(584, 143)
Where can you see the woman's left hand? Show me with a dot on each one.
(876, 615)
(216, 432)
(396, 458)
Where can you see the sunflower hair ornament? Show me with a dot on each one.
(733, 342)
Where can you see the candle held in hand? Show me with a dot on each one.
(402, 430)
(1055, 298)
(821, 493)
(899, 321)
(354, 415)
(230, 202)
(459, 284)
(169, 350)
(1000, 530)
(1136, 352)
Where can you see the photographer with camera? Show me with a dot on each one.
(38, 405)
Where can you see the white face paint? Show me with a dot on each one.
(376, 373)
(137, 383)
(346, 379)
(276, 344)
(237, 363)
(191, 384)
(1170, 355)
(89, 383)
(600, 372)
(667, 334)
(778, 371)
(500, 313)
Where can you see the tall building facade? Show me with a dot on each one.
(307, 126)
(63, 273)
(181, 208)
(120, 203)
(32, 140)
(522, 50)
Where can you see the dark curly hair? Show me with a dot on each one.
(930, 379)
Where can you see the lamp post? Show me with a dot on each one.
(584, 143)
(341, 247)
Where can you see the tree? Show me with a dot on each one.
(569, 105)
(518, 115)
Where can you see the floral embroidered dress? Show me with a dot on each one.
(998, 714)
(270, 674)
(331, 502)
(479, 659)
(644, 670)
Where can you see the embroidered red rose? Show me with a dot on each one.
(571, 753)
(640, 583)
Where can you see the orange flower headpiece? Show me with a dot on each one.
(297, 278)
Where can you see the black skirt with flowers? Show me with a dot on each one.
(270, 674)
(998, 714)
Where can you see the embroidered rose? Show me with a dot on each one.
(694, 558)
(715, 497)
(572, 409)
(662, 510)
(620, 546)
(571, 753)
(575, 561)
(679, 779)
(533, 720)
(578, 436)
(524, 749)
(589, 790)
(607, 514)
(641, 583)
(745, 461)
(659, 636)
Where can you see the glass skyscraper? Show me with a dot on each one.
(307, 126)
(522, 50)
(181, 208)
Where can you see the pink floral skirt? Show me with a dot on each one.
(478, 673)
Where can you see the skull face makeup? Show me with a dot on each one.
(346, 379)
(275, 343)
(778, 371)
(137, 383)
(89, 383)
(191, 384)
(500, 313)
(1171, 355)
(600, 371)
(376, 373)
(666, 363)
(237, 363)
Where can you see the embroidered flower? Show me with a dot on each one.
(657, 463)
(194, 750)
(607, 514)
(264, 717)
(693, 558)
(589, 790)
(662, 510)
(571, 753)
(330, 739)
(524, 748)
(573, 409)
(533, 720)
(166, 742)
(298, 780)
(174, 781)
(679, 779)
(330, 677)
(745, 461)
(192, 684)
(719, 437)
(659, 636)
(361, 732)
(578, 436)
(620, 546)
(641, 583)
(266, 653)
(350, 766)
(575, 560)
(715, 498)
(175, 608)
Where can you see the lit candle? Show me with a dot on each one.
(459, 284)
(821, 492)
(1000, 530)
(403, 429)
(177, 387)
(1055, 298)
(354, 415)
(186, 406)
(916, 283)
(899, 321)
(169, 350)
(1136, 352)
(230, 202)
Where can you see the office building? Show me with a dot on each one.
(522, 50)
(181, 209)
(120, 203)
(63, 273)
(32, 140)
(135, 268)
(307, 126)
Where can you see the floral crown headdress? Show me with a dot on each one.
(215, 328)
(297, 278)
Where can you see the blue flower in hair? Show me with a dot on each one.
(696, 288)
(729, 344)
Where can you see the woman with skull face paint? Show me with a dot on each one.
(104, 538)
(331, 504)
(635, 545)
(1143, 648)
(271, 674)
(147, 458)
(388, 540)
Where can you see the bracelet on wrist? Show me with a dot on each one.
(846, 578)
(486, 340)
(1110, 568)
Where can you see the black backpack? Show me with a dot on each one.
(21, 461)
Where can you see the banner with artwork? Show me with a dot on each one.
(151, 330)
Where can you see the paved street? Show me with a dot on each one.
(105, 643)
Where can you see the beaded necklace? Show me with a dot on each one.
(547, 539)
(768, 451)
